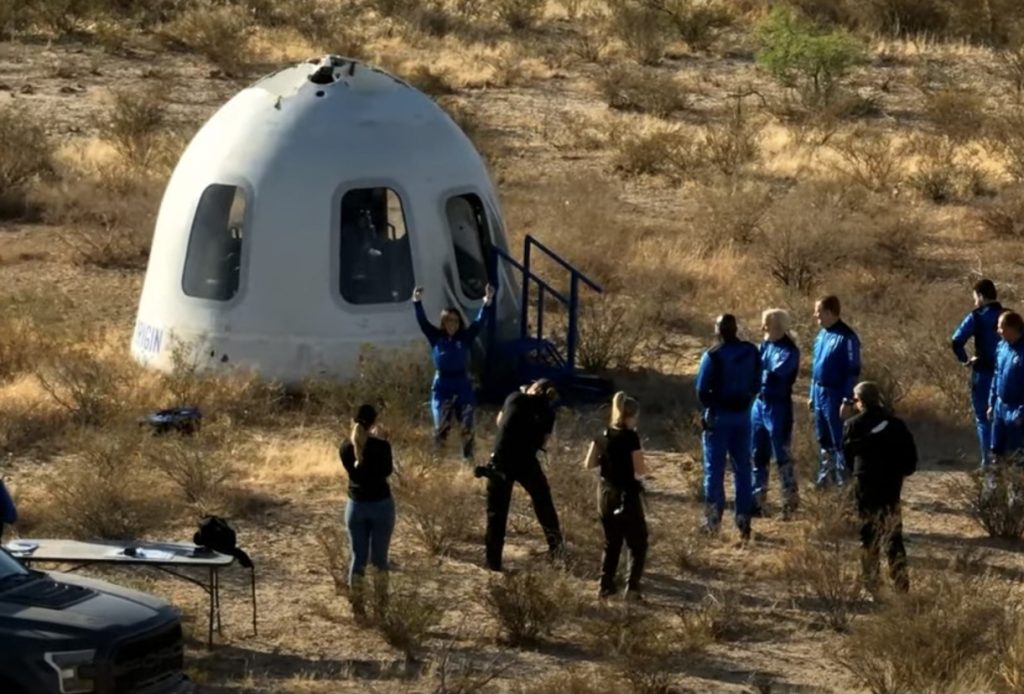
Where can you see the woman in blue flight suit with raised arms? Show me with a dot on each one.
(451, 394)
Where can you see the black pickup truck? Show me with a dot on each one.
(65, 634)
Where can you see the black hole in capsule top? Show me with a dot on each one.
(212, 354)
(320, 92)
(224, 359)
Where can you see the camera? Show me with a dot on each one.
(490, 471)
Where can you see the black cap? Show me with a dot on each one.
(367, 415)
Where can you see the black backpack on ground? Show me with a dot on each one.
(215, 533)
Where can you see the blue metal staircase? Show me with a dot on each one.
(511, 363)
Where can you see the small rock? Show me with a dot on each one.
(5, 87)
(28, 89)
(68, 89)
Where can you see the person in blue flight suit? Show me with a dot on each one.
(727, 383)
(1006, 400)
(980, 325)
(451, 394)
(772, 414)
(835, 371)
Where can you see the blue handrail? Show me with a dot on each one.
(571, 302)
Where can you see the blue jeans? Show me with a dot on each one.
(981, 384)
(729, 435)
(772, 424)
(369, 524)
(828, 426)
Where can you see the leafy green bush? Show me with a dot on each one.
(801, 57)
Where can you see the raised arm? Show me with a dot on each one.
(963, 333)
(470, 332)
(431, 332)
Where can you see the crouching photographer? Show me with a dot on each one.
(525, 422)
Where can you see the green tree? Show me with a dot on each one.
(805, 58)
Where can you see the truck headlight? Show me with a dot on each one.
(76, 671)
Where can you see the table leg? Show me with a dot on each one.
(216, 583)
(209, 637)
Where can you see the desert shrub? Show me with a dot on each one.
(645, 30)
(956, 113)
(946, 171)
(993, 499)
(106, 491)
(1012, 62)
(731, 144)
(796, 248)
(730, 214)
(519, 14)
(639, 645)
(198, 465)
(870, 160)
(612, 334)
(28, 156)
(665, 151)
(643, 91)
(1003, 217)
(529, 604)
(219, 32)
(1007, 137)
(589, 38)
(437, 504)
(134, 123)
(30, 427)
(19, 345)
(61, 16)
(331, 27)
(572, 681)
(333, 544)
(91, 389)
(403, 612)
(942, 638)
(805, 59)
(893, 235)
(822, 563)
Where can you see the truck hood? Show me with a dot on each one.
(92, 606)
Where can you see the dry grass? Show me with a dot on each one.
(105, 491)
(992, 499)
(438, 502)
(946, 637)
(219, 32)
(642, 90)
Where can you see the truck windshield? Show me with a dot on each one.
(10, 567)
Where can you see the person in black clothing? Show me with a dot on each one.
(370, 512)
(524, 424)
(883, 453)
(620, 457)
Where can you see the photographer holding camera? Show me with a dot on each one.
(525, 422)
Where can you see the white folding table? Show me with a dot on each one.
(168, 557)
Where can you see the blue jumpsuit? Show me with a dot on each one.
(451, 394)
(772, 419)
(836, 368)
(727, 383)
(1007, 399)
(980, 324)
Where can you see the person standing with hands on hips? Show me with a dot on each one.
(451, 394)
(835, 370)
(980, 325)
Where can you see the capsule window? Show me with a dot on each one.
(376, 260)
(471, 240)
(213, 264)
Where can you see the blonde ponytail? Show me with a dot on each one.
(359, 437)
(623, 408)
